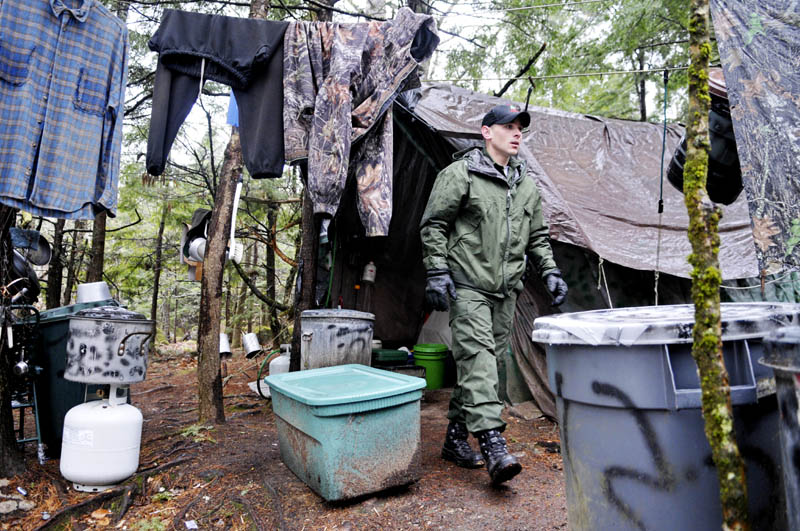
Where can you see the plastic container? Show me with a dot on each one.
(432, 356)
(349, 430)
(382, 357)
(783, 355)
(335, 337)
(628, 402)
(54, 393)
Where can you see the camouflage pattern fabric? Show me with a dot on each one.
(758, 47)
(339, 83)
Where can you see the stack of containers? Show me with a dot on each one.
(107, 345)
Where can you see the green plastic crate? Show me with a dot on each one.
(348, 430)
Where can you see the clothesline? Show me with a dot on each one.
(560, 76)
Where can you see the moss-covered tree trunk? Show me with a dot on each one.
(704, 219)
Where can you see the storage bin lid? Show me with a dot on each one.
(657, 325)
(342, 384)
(336, 313)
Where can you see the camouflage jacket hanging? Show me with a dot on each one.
(339, 83)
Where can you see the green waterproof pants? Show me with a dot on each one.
(481, 327)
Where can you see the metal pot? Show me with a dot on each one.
(108, 345)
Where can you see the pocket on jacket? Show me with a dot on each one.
(15, 64)
(90, 94)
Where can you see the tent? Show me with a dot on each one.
(600, 183)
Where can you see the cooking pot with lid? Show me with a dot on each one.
(108, 345)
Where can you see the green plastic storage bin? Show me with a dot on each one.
(382, 357)
(432, 356)
(54, 394)
(348, 430)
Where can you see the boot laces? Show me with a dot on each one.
(458, 438)
(493, 444)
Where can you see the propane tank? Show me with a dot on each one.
(100, 444)
(281, 363)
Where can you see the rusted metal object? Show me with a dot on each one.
(108, 345)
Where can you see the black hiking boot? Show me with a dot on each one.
(502, 465)
(457, 449)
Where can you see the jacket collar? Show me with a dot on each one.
(479, 161)
(78, 13)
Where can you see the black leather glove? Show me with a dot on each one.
(556, 286)
(440, 289)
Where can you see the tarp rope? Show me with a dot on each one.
(602, 281)
(661, 190)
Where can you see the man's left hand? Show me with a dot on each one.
(556, 286)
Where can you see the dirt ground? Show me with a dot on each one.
(230, 476)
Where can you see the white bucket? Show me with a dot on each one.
(93, 292)
(224, 346)
(335, 337)
(251, 344)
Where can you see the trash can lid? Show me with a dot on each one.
(63, 313)
(114, 313)
(656, 325)
(342, 384)
(345, 314)
(782, 348)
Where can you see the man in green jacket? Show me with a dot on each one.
(483, 218)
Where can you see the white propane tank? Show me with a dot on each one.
(100, 446)
(279, 364)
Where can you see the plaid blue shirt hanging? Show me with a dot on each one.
(63, 70)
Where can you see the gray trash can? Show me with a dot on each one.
(783, 355)
(628, 404)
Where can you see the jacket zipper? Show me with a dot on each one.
(508, 239)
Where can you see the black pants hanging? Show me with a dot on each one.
(245, 54)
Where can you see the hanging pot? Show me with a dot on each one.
(22, 277)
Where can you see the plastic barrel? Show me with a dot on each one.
(782, 349)
(432, 356)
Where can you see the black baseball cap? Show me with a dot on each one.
(505, 114)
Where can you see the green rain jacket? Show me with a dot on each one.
(480, 225)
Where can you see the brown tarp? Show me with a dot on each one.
(759, 48)
(600, 183)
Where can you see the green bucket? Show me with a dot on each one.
(431, 356)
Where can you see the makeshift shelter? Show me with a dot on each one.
(600, 183)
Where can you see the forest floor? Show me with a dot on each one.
(230, 475)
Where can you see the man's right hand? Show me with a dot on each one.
(440, 289)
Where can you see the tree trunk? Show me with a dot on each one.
(306, 275)
(274, 323)
(704, 219)
(209, 380)
(75, 260)
(55, 270)
(640, 89)
(157, 266)
(325, 15)
(12, 461)
(95, 272)
(420, 6)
